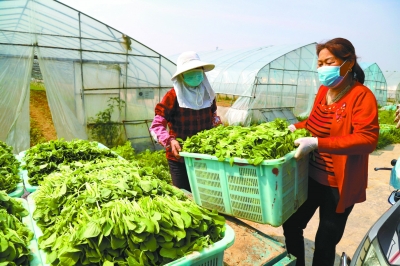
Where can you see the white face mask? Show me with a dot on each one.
(193, 78)
(330, 75)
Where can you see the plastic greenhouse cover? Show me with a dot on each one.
(236, 70)
(268, 77)
(392, 79)
(375, 81)
(83, 62)
(15, 62)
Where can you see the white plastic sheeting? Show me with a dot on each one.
(375, 81)
(270, 77)
(15, 69)
(84, 63)
(393, 84)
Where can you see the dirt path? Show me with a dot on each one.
(41, 120)
(363, 215)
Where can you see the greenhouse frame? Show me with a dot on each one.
(88, 68)
(375, 81)
(269, 82)
(393, 85)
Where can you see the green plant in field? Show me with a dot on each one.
(102, 128)
(386, 117)
(388, 137)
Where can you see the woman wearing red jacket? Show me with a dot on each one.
(344, 128)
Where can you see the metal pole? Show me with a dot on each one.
(81, 63)
(159, 78)
(126, 84)
(297, 81)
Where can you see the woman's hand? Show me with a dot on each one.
(176, 148)
(306, 145)
(292, 128)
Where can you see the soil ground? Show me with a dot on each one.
(360, 220)
(42, 127)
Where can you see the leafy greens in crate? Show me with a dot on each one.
(14, 235)
(148, 161)
(45, 158)
(9, 169)
(111, 212)
(270, 140)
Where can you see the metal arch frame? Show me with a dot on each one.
(59, 44)
(114, 40)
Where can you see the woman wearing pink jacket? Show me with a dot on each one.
(188, 108)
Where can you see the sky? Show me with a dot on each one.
(171, 27)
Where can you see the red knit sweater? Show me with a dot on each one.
(354, 134)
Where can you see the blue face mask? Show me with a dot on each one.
(330, 75)
(194, 77)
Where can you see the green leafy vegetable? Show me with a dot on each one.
(14, 235)
(151, 162)
(45, 158)
(271, 140)
(9, 169)
(110, 211)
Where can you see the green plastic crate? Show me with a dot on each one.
(209, 256)
(18, 192)
(268, 193)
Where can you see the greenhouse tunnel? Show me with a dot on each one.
(393, 85)
(375, 81)
(87, 67)
(268, 82)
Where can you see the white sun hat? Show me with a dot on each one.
(190, 60)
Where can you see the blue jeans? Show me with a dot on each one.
(330, 229)
(179, 175)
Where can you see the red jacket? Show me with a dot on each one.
(183, 122)
(354, 134)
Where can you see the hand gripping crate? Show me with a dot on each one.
(268, 193)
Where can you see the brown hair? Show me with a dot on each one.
(343, 49)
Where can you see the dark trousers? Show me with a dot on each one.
(179, 175)
(330, 229)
